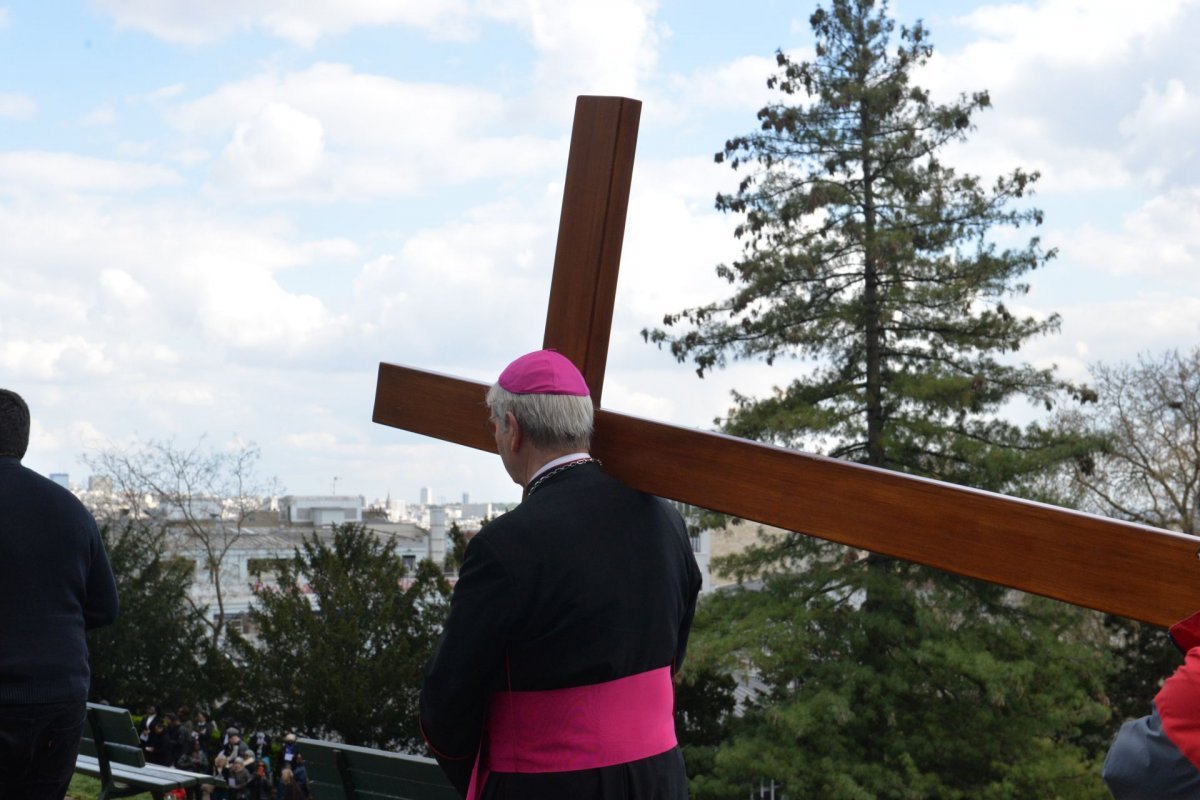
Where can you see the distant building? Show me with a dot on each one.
(735, 538)
(320, 510)
(426, 496)
(61, 478)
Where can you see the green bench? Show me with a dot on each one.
(111, 751)
(345, 772)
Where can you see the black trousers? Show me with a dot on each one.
(38, 745)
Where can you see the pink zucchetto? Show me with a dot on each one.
(543, 372)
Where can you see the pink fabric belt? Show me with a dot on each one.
(583, 727)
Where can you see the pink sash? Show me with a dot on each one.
(583, 727)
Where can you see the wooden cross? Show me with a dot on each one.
(1113, 566)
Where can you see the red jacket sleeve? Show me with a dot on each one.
(1178, 704)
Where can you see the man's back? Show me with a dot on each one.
(54, 581)
(602, 582)
(587, 582)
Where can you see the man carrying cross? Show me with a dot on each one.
(571, 613)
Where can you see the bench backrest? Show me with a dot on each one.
(113, 727)
(341, 771)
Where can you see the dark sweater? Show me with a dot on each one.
(55, 582)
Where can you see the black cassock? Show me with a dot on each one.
(586, 581)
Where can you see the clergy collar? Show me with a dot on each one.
(558, 462)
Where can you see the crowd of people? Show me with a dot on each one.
(254, 767)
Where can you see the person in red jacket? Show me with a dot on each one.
(1157, 757)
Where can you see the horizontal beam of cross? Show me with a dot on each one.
(1112, 566)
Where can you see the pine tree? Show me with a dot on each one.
(875, 262)
(869, 257)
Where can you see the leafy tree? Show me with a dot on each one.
(206, 495)
(156, 653)
(1148, 416)
(874, 261)
(704, 705)
(342, 641)
(456, 537)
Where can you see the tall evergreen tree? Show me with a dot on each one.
(870, 258)
(867, 255)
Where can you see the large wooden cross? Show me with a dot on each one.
(1113, 566)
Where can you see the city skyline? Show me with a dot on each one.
(217, 221)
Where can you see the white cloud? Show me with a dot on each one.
(123, 288)
(103, 115)
(164, 93)
(202, 286)
(1160, 241)
(584, 47)
(1071, 82)
(301, 23)
(674, 239)
(1004, 143)
(183, 394)
(318, 441)
(494, 260)
(239, 303)
(329, 131)
(50, 359)
(1160, 133)
(581, 47)
(46, 171)
(16, 106)
(1118, 330)
(1062, 33)
(3, 17)
(278, 149)
(739, 86)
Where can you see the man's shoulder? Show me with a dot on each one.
(32, 487)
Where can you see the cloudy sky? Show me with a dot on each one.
(217, 218)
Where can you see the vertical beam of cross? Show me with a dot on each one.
(590, 232)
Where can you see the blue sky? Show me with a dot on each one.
(218, 218)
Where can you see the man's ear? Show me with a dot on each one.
(518, 435)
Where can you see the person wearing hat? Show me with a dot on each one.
(234, 748)
(289, 749)
(1157, 757)
(237, 780)
(581, 597)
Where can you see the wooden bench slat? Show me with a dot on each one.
(373, 774)
(138, 777)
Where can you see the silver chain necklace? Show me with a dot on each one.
(544, 476)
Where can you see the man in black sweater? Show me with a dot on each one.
(55, 582)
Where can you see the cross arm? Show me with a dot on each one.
(1100, 563)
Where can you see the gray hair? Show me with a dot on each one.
(549, 420)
